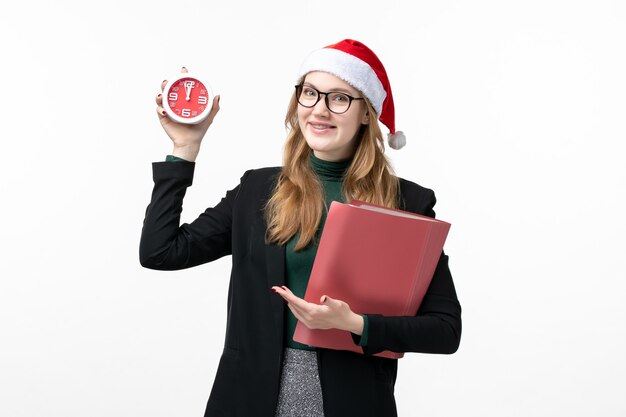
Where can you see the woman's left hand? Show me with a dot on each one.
(329, 314)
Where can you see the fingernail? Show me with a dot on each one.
(159, 95)
(184, 68)
(323, 299)
(218, 99)
(164, 81)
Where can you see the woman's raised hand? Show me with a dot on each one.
(186, 138)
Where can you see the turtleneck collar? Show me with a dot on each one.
(328, 170)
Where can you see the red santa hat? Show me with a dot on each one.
(359, 66)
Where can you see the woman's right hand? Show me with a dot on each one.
(186, 137)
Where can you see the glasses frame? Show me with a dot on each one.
(325, 94)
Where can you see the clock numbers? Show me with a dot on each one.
(187, 100)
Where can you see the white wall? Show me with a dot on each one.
(514, 113)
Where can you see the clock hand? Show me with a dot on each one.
(188, 87)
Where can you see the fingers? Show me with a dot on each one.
(297, 304)
(307, 316)
(159, 100)
(297, 313)
(300, 303)
(330, 302)
(214, 109)
(291, 297)
(161, 112)
(284, 292)
(303, 307)
(330, 314)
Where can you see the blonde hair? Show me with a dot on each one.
(297, 203)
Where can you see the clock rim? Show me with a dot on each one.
(187, 120)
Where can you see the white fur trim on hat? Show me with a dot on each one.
(396, 140)
(349, 68)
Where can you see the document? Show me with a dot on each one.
(376, 259)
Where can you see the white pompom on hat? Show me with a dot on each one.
(359, 66)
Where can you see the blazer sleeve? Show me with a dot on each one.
(436, 328)
(167, 245)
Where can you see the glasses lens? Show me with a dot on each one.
(338, 102)
(307, 96)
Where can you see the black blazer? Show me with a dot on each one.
(248, 377)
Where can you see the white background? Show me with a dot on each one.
(514, 114)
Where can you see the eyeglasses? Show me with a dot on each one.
(336, 102)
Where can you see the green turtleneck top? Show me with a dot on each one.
(299, 264)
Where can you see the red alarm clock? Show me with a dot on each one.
(187, 99)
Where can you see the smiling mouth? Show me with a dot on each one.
(320, 127)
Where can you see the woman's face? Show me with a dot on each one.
(331, 136)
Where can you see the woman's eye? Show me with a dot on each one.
(309, 92)
(340, 98)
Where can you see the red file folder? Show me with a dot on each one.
(376, 259)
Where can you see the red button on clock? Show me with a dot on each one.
(187, 99)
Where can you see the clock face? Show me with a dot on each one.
(187, 100)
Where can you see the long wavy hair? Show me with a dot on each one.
(297, 202)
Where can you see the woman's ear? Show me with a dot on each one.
(366, 118)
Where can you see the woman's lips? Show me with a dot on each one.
(320, 127)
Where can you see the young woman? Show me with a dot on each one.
(271, 224)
